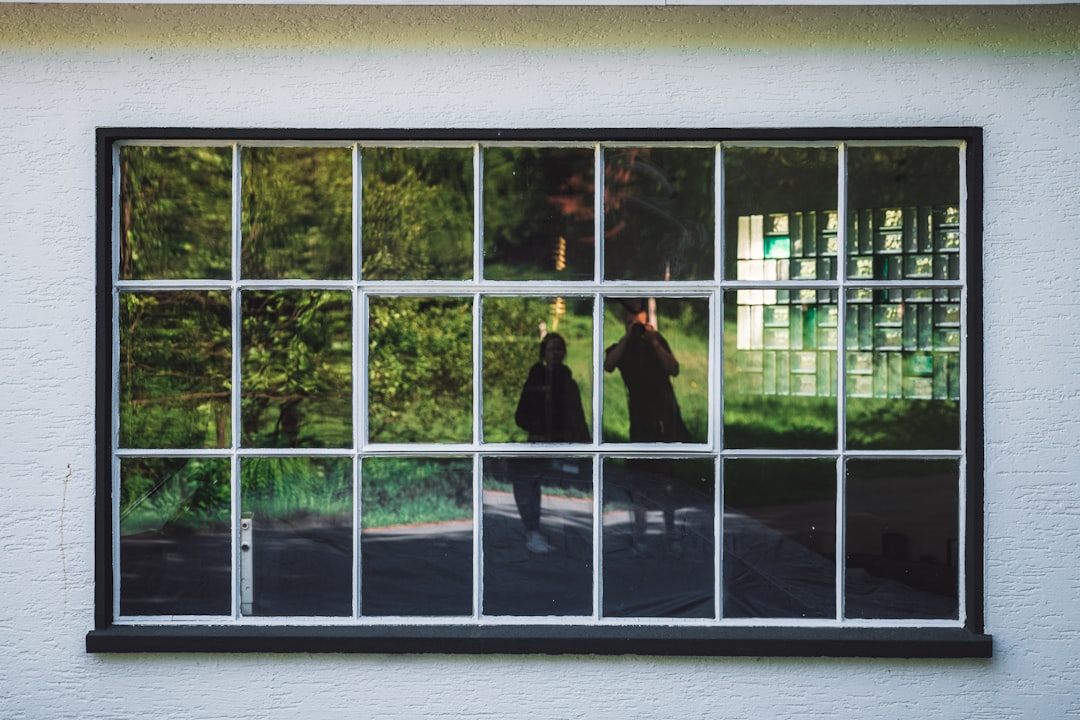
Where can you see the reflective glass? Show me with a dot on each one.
(780, 380)
(780, 538)
(904, 216)
(902, 539)
(780, 213)
(175, 545)
(658, 213)
(297, 212)
(301, 546)
(656, 384)
(659, 553)
(538, 536)
(296, 374)
(175, 370)
(903, 369)
(417, 210)
(175, 212)
(538, 213)
(537, 369)
(420, 369)
(417, 536)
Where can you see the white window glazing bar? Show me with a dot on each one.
(359, 362)
(114, 370)
(965, 400)
(840, 544)
(716, 381)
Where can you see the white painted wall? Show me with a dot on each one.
(66, 69)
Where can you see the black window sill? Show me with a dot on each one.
(547, 640)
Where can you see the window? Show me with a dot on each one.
(637, 391)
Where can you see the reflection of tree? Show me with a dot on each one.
(297, 214)
(658, 219)
(417, 214)
(420, 370)
(175, 212)
(175, 364)
(297, 369)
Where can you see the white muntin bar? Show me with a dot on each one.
(841, 375)
(235, 399)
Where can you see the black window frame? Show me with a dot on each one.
(848, 640)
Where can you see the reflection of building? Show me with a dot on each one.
(901, 341)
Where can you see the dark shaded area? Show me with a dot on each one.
(417, 570)
(175, 573)
(302, 570)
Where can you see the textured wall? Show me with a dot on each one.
(66, 69)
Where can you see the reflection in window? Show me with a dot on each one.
(175, 212)
(530, 394)
(902, 538)
(780, 538)
(538, 536)
(362, 428)
(297, 368)
(417, 213)
(538, 213)
(419, 370)
(416, 544)
(780, 209)
(656, 386)
(297, 212)
(658, 220)
(658, 538)
(780, 368)
(175, 546)
(175, 366)
(300, 515)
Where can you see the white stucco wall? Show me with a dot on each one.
(65, 70)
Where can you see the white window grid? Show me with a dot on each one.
(597, 289)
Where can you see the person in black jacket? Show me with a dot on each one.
(549, 410)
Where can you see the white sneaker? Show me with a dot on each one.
(537, 543)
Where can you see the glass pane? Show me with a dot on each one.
(660, 347)
(538, 213)
(175, 545)
(175, 212)
(300, 512)
(420, 369)
(175, 369)
(902, 539)
(537, 369)
(903, 369)
(780, 213)
(297, 368)
(780, 380)
(417, 213)
(780, 538)
(659, 554)
(904, 221)
(416, 543)
(297, 212)
(658, 213)
(538, 520)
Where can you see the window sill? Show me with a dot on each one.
(548, 640)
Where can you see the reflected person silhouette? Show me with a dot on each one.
(550, 411)
(646, 363)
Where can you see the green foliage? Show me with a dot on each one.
(297, 212)
(175, 369)
(420, 370)
(290, 489)
(402, 491)
(417, 214)
(174, 495)
(175, 212)
(297, 368)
